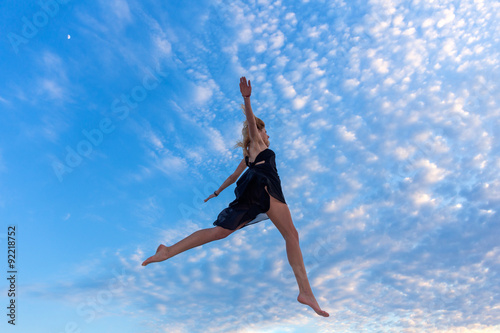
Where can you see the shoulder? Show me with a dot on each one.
(256, 147)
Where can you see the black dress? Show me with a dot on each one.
(252, 201)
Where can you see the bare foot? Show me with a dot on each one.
(311, 301)
(160, 255)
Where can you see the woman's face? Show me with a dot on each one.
(264, 136)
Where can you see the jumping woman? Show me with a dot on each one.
(258, 196)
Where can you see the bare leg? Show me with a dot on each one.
(197, 238)
(281, 217)
(295, 259)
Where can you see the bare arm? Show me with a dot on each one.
(246, 91)
(230, 180)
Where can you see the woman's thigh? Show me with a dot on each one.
(280, 215)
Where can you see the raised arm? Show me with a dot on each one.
(246, 91)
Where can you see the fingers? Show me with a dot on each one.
(245, 87)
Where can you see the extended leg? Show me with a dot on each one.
(197, 238)
(281, 217)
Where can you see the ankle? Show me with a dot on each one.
(305, 293)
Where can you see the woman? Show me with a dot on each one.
(258, 196)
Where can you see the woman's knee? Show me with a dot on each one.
(292, 234)
(220, 232)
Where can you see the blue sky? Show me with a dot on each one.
(119, 117)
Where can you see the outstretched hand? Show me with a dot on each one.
(245, 88)
(210, 197)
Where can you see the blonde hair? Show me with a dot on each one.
(245, 143)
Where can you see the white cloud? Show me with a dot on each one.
(171, 164)
(380, 66)
(300, 102)
(427, 23)
(245, 35)
(197, 256)
(286, 86)
(277, 40)
(315, 165)
(216, 139)
(281, 61)
(449, 16)
(162, 308)
(51, 89)
(403, 153)
(351, 83)
(448, 49)
(339, 203)
(415, 54)
(202, 94)
(316, 69)
(432, 173)
(371, 157)
(54, 84)
(345, 134)
(291, 18)
(421, 198)
(163, 45)
(320, 124)
(155, 140)
(260, 46)
(258, 68)
(121, 9)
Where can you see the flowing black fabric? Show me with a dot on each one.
(252, 201)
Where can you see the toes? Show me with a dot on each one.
(147, 261)
(323, 313)
(158, 256)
